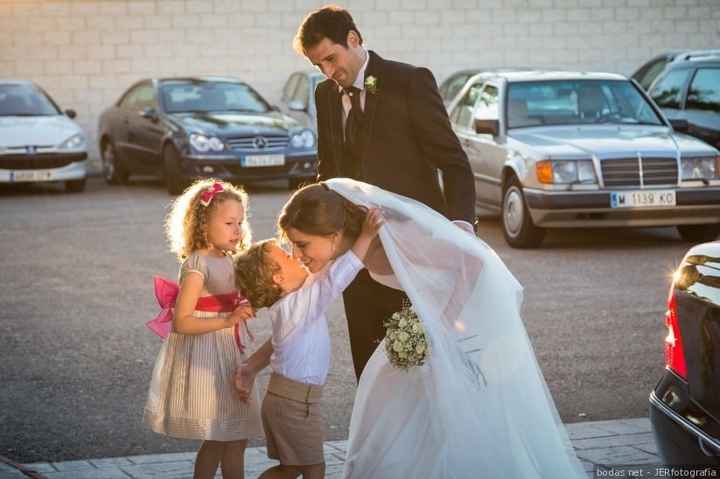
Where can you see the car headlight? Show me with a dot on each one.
(75, 142)
(203, 143)
(303, 139)
(566, 172)
(705, 168)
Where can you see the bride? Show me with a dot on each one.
(479, 405)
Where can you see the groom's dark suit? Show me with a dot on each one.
(404, 138)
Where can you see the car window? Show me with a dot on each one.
(139, 98)
(206, 96)
(462, 114)
(572, 102)
(704, 91)
(289, 88)
(25, 100)
(486, 107)
(668, 91)
(302, 91)
(650, 72)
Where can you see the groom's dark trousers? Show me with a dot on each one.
(403, 140)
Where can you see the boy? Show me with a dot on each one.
(269, 277)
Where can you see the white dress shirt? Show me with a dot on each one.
(300, 337)
(359, 83)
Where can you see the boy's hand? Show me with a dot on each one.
(244, 381)
(242, 313)
(373, 222)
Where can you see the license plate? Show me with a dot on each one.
(30, 175)
(642, 199)
(264, 160)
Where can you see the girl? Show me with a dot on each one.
(191, 393)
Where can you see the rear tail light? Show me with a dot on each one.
(674, 354)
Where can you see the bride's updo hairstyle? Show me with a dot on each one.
(317, 210)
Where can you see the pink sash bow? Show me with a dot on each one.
(166, 292)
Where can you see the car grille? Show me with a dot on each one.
(639, 172)
(258, 142)
(37, 162)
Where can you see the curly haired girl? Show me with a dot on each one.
(191, 392)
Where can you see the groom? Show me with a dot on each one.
(384, 123)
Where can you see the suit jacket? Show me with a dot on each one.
(406, 138)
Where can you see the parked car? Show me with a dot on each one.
(452, 85)
(571, 149)
(685, 405)
(38, 141)
(187, 128)
(688, 92)
(646, 74)
(298, 98)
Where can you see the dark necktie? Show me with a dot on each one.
(353, 124)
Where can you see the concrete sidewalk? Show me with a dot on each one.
(625, 442)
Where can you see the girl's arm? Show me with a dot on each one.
(183, 320)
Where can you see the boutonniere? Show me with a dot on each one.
(371, 84)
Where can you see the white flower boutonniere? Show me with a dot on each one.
(371, 84)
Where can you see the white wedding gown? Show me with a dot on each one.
(479, 406)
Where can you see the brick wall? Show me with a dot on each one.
(86, 52)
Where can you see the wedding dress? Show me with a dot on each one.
(479, 407)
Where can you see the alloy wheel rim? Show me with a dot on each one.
(513, 214)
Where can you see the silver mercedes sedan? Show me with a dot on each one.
(569, 149)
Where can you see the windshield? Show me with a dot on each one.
(25, 100)
(578, 102)
(211, 96)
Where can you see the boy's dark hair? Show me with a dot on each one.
(331, 22)
(254, 270)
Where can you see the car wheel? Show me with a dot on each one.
(75, 186)
(113, 170)
(699, 233)
(518, 228)
(174, 180)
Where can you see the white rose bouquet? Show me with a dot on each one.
(406, 344)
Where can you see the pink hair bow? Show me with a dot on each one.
(166, 292)
(207, 195)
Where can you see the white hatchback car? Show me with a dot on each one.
(38, 141)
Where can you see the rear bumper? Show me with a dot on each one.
(679, 439)
(587, 209)
(230, 168)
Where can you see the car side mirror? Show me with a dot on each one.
(487, 127)
(679, 124)
(296, 105)
(150, 113)
(71, 114)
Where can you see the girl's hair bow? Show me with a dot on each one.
(207, 195)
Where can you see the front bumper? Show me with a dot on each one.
(296, 166)
(592, 208)
(43, 167)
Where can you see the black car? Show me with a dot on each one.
(646, 74)
(187, 128)
(685, 404)
(688, 92)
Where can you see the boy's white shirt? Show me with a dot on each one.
(300, 336)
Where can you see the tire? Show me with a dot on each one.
(75, 186)
(113, 170)
(699, 233)
(174, 181)
(518, 228)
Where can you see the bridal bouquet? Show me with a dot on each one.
(405, 342)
